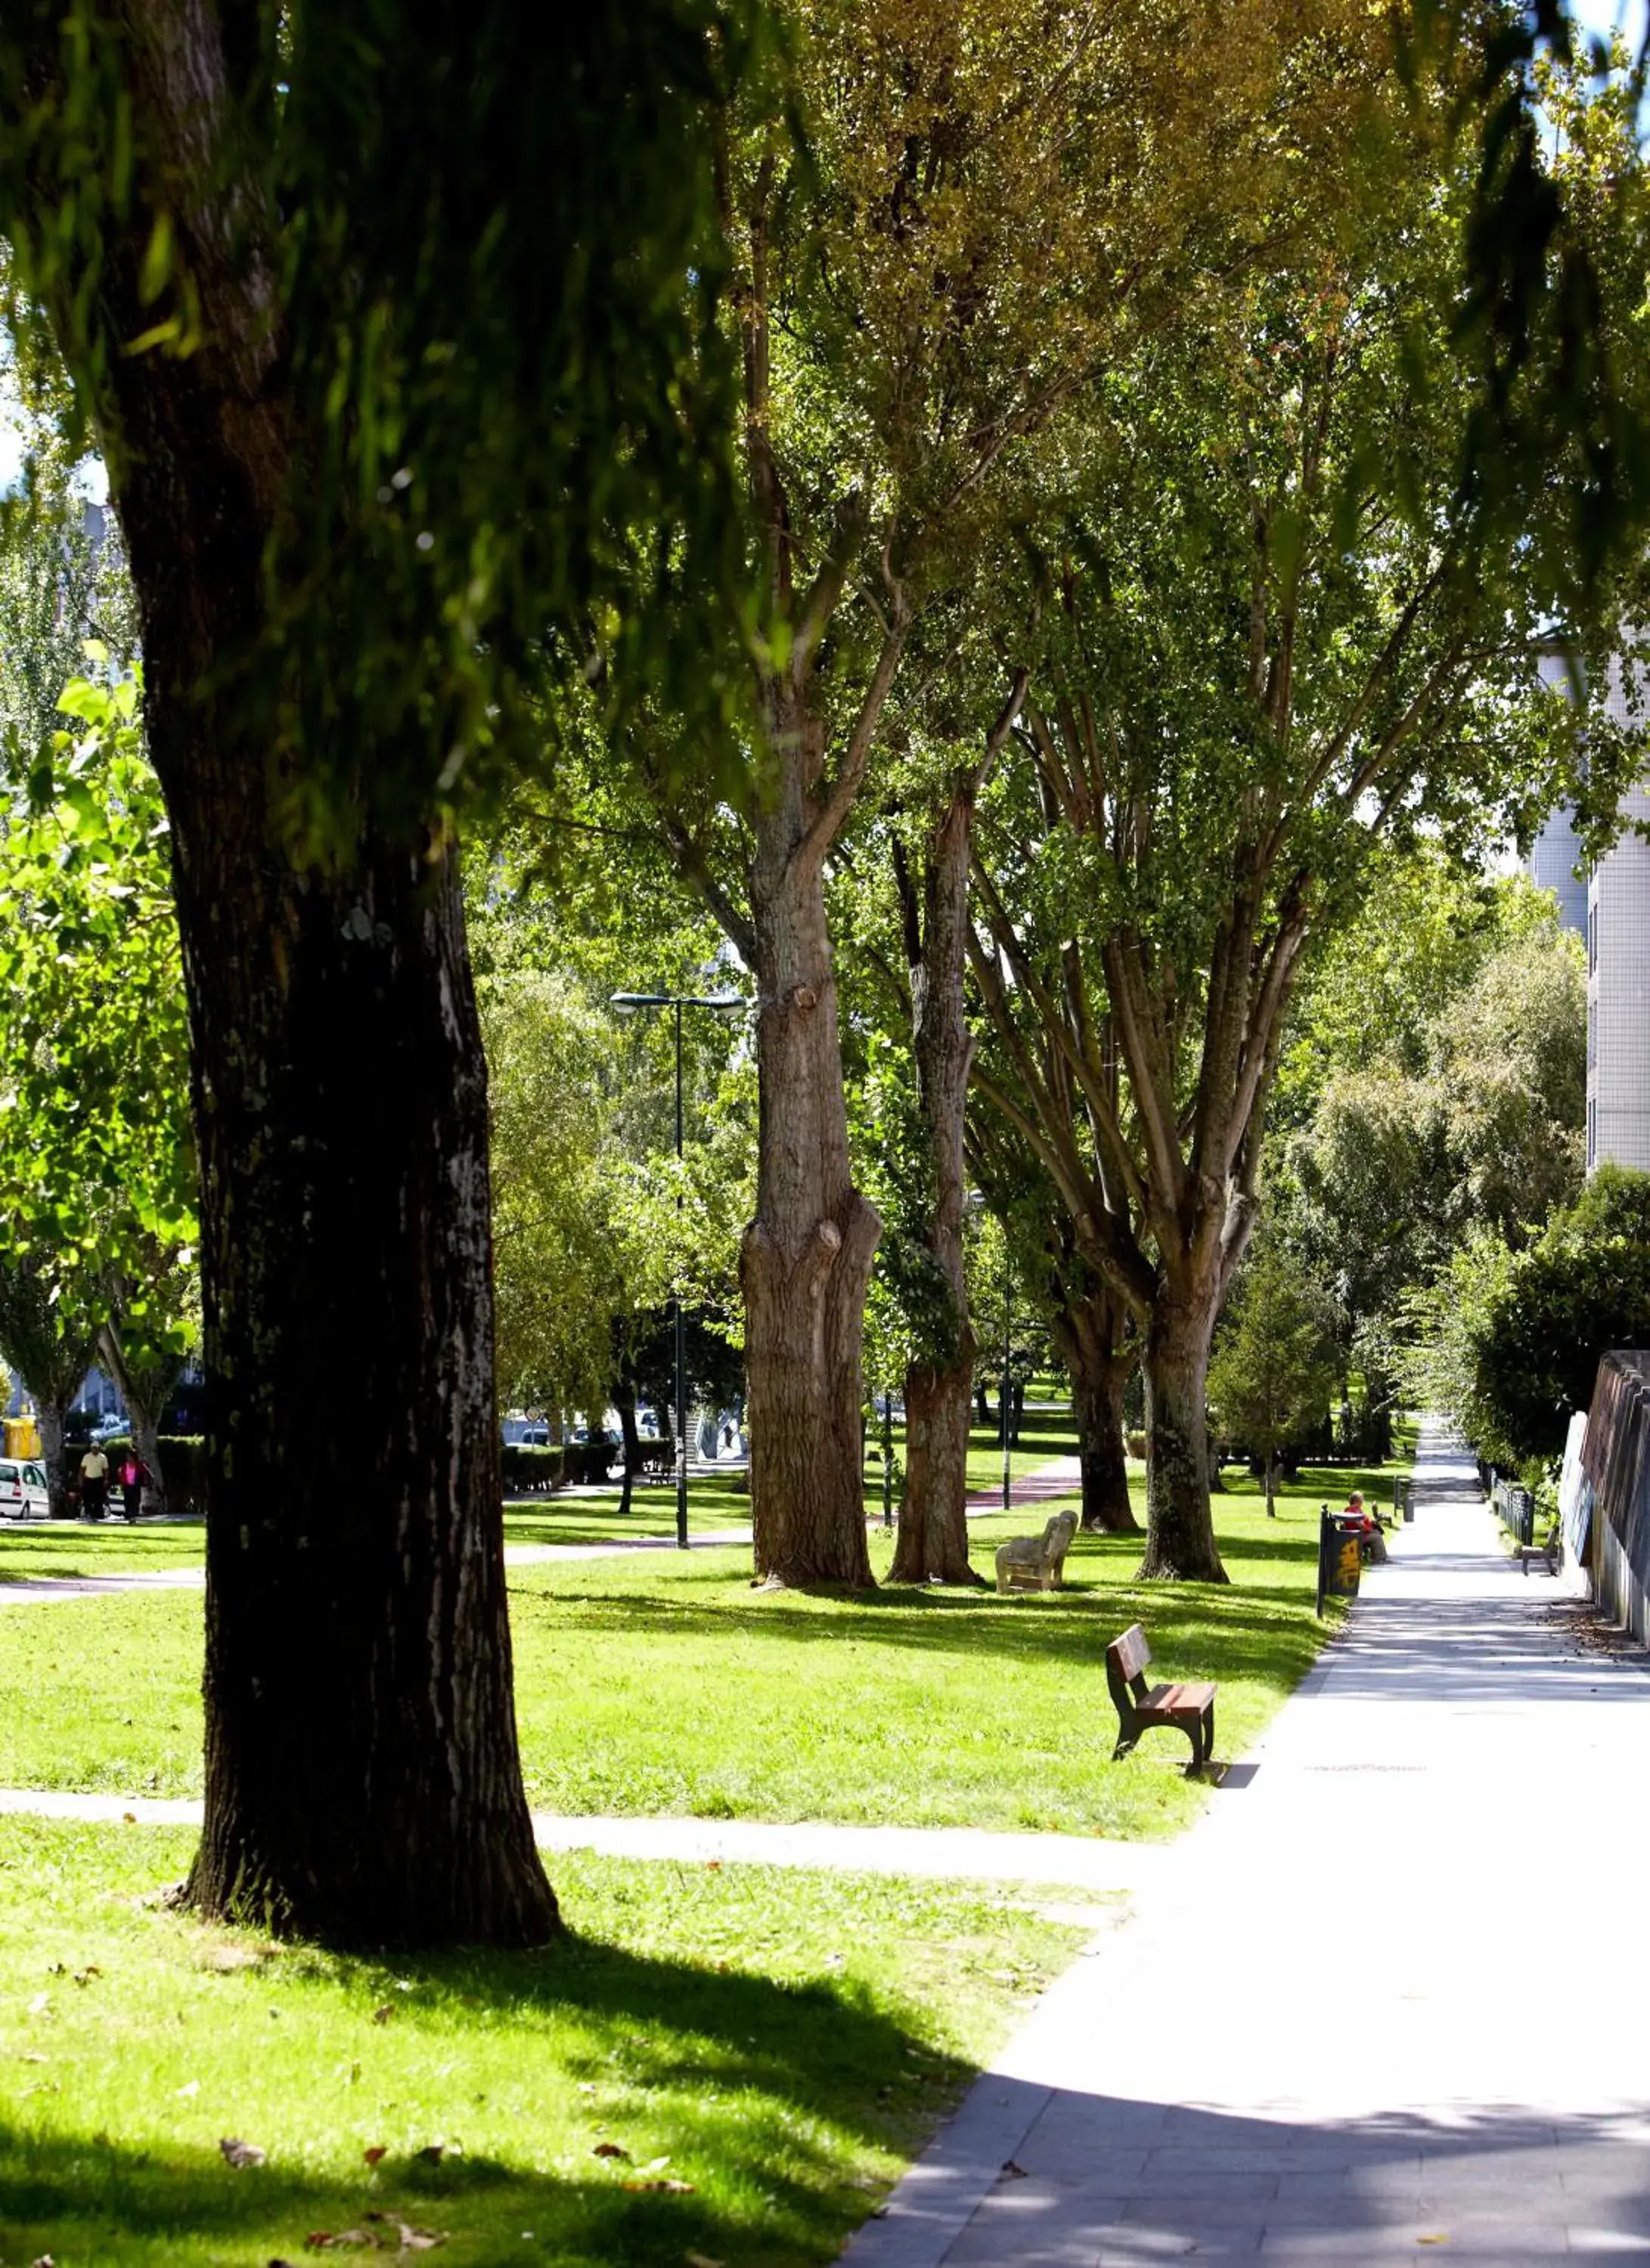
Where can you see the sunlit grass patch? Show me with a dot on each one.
(731, 2062)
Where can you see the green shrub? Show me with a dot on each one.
(183, 1472)
(528, 1468)
(1583, 1289)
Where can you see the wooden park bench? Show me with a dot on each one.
(1551, 1550)
(1189, 1709)
(1036, 1562)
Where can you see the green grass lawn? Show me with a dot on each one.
(662, 1683)
(31, 1550)
(727, 2064)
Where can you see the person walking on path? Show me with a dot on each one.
(94, 1483)
(134, 1476)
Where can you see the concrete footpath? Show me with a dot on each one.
(968, 1854)
(1388, 2002)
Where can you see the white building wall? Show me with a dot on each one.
(1552, 864)
(1619, 1000)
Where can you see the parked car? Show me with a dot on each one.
(23, 1494)
(524, 1432)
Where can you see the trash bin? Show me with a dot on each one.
(1340, 1556)
(1409, 1499)
(22, 1437)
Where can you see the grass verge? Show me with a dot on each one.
(662, 1682)
(723, 2064)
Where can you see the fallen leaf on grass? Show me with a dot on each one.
(39, 2003)
(189, 2088)
(700, 2260)
(675, 2188)
(374, 2153)
(84, 1975)
(382, 2015)
(610, 2150)
(31, 2057)
(328, 2240)
(241, 2153)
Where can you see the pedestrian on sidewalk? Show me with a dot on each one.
(134, 1476)
(1372, 1543)
(94, 1483)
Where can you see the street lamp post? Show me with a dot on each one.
(1008, 1345)
(626, 1002)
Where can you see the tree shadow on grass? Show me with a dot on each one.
(1194, 1629)
(747, 2081)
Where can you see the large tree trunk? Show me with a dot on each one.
(1180, 1540)
(933, 1543)
(1088, 1332)
(933, 1537)
(624, 1403)
(50, 1416)
(363, 1783)
(806, 1263)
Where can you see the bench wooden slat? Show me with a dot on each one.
(1195, 1697)
(1130, 1652)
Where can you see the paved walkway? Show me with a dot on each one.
(1388, 2002)
(1060, 1476)
(1080, 1862)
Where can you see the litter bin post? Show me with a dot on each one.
(1339, 1560)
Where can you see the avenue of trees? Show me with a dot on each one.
(1008, 538)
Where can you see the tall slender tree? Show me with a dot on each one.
(1278, 631)
(990, 203)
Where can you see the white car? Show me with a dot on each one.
(23, 1494)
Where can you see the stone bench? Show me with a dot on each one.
(1188, 1709)
(1036, 1562)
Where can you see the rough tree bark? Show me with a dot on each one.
(1179, 1539)
(624, 1403)
(50, 1416)
(805, 1264)
(362, 1784)
(933, 1543)
(1087, 1330)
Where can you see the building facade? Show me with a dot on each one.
(1618, 997)
(1610, 905)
